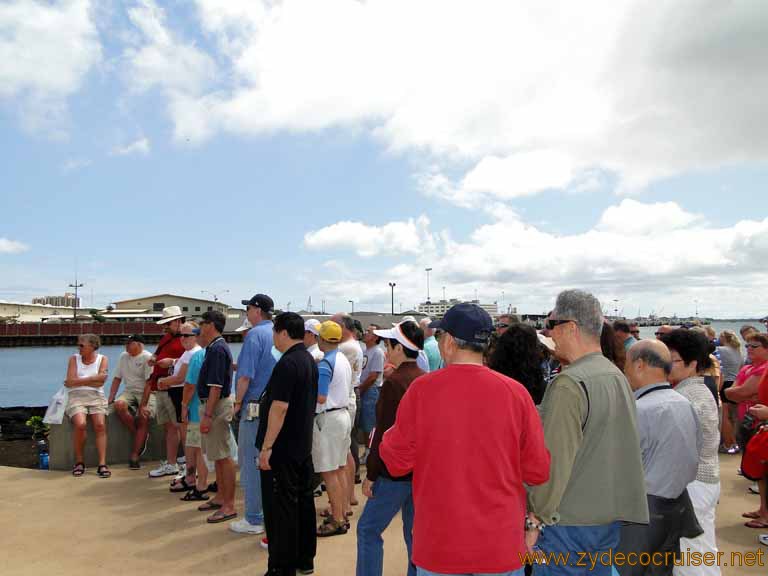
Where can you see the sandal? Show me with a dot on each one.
(208, 506)
(212, 487)
(347, 525)
(331, 528)
(327, 513)
(103, 471)
(78, 469)
(759, 524)
(134, 465)
(752, 515)
(180, 486)
(194, 495)
(218, 517)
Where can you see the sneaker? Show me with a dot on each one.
(182, 472)
(754, 488)
(305, 570)
(181, 460)
(134, 465)
(164, 469)
(242, 526)
(733, 449)
(264, 543)
(763, 539)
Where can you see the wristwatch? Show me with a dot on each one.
(531, 525)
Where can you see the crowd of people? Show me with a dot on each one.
(501, 446)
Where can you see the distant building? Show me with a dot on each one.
(68, 300)
(31, 312)
(192, 308)
(440, 307)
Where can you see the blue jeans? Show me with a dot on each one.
(518, 572)
(389, 497)
(368, 409)
(578, 541)
(250, 477)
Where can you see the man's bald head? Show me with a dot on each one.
(665, 329)
(648, 362)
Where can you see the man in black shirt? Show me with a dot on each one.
(214, 386)
(287, 410)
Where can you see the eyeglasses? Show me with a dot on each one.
(552, 322)
(502, 325)
(754, 346)
(188, 335)
(635, 332)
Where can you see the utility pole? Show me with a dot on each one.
(215, 296)
(427, 270)
(392, 290)
(76, 286)
(616, 308)
(353, 305)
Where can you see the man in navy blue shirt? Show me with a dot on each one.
(287, 410)
(214, 386)
(254, 367)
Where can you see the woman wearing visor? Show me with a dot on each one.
(386, 494)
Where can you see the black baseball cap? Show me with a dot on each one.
(135, 338)
(261, 301)
(467, 322)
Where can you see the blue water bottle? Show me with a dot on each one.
(42, 454)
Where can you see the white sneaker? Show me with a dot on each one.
(181, 460)
(264, 543)
(754, 488)
(164, 469)
(242, 526)
(182, 472)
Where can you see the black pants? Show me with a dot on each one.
(289, 516)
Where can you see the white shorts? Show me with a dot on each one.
(330, 440)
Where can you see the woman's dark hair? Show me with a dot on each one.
(517, 355)
(611, 350)
(690, 345)
(291, 323)
(414, 334)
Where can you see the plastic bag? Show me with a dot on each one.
(57, 407)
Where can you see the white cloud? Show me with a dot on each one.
(140, 146)
(649, 254)
(533, 96)
(12, 246)
(409, 237)
(74, 164)
(46, 50)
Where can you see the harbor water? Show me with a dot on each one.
(30, 376)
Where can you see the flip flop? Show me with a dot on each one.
(218, 517)
(209, 506)
(759, 524)
(752, 515)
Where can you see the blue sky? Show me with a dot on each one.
(245, 146)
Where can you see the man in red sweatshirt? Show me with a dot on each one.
(472, 438)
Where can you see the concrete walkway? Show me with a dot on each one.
(59, 525)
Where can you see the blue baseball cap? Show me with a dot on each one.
(467, 322)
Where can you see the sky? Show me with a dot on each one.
(323, 150)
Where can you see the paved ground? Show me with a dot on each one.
(59, 525)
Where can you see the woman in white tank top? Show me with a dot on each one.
(86, 374)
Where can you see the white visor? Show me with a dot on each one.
(395, 333)
(246, 325)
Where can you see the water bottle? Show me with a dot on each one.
(42, 454)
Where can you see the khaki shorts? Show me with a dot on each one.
(193, 435)
(90, 404)
(218, 443)
(331, 438)
(132, 398)
(165, 409)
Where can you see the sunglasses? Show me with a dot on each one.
(188, 335)
(754, 346)
(502, 325)
(551, 323)
(636, 332)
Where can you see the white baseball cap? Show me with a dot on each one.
(396, 333)
(313, 326)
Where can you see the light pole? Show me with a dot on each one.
(392, 291)
(697, 307)
(215, 296)
(443, 293)
(353, 305)
(616, 308)
(427, 270)
(75, 286)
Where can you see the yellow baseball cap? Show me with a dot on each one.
(329, 331)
